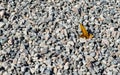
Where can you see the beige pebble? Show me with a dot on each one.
(75, 8)
(66, 66)
(55, 70)
(1, 13)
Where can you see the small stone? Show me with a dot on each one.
(1, 11)
(59, 73)
(118, 47)
(66, 66)
(58, 31)
(48, 62)
(92, 54)
(88, 73)
(65, 32)
(5, 73)
(3, 40)
(1, 24)
(55, 70)
(47, 72)
(1, 7)
(32, 70)
(37, 66)
(1, 72)
(119, 29)
(89, 58)
(51, 48)
(57, 47)
(76, 9)
(70, 43)
(105, 41)
(43, 44)
(68, 21)
(23, 69)
(27, 73)
(109, 73)
(111, 29)
(74, 56)
(114, 62)
(42, 69)
(118, 35)
(86, 17)
(104, 62)
(92, 19)
(101, 18)
(82, 40)
(103, 50)
(71, 1)
(47, 36)
(114, 34)
(44, 50)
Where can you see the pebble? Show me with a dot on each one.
(47, 72)
(109, 73)
(70, 43)
(27, 73)
(5, 73)
(82, 40)
(1, 24)
(92, 54)
(119, 29)
(118, 41)
(59, 73)
(76, 9)
(2, 11)
(105, 41)
(3, 40)
(43, 50)
(66, 66)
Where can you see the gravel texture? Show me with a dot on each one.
(41, 37)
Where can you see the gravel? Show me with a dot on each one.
(42, 37)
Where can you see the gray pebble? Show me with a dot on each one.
(42, 69)
(3, 40)
(57, 47)
(92, 54)
(47, 72)
(109, 73)
(27, 73)
(2, 24)
(44, 50)
(118, 41)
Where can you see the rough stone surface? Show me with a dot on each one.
(42, 37)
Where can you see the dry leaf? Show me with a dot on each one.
(85, 33)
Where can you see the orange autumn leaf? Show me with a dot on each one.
(85, 33)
